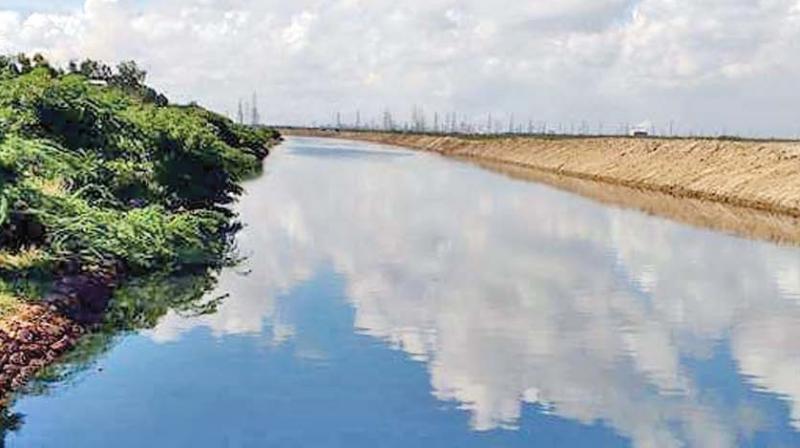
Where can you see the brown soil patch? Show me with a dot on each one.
(32, 338)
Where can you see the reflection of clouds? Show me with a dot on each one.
(767, 350)
(514, 293)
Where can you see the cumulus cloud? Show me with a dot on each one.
(711, 66)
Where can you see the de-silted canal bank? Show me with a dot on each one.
(751, 188)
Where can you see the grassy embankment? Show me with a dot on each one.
(107, 178)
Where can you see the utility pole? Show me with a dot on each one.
(240, 113)
(254, 116)
(358, 119)
(388, 122)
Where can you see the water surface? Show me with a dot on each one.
(396, 299)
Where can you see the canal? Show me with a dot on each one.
(389, 298)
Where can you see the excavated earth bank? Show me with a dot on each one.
(750, 188)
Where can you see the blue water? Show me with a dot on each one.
(396, 299)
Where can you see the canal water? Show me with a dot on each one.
(390, 298)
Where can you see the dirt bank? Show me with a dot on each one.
(29, 340)
(37, 334)
(745, 175)
(754, 174)
(742, 221)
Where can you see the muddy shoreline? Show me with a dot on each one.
(30, 340)
(747, 188)
(39, 334)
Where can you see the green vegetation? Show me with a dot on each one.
(99, 173)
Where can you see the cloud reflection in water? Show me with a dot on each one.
(516, 293)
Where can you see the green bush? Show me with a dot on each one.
(111, 174)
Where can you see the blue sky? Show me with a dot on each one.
(51, 6)
(27, 6)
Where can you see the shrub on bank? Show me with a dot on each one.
(109, 174)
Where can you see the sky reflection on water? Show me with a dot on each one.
(517, 314)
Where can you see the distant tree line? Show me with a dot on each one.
(127, 75)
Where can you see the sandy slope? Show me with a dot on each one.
(761, 175)
(750, 188)
(743, 221)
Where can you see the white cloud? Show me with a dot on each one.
(295, 36)
(707, 65)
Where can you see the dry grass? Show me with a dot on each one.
(8, 305)
(24, 259)
(50, 187)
